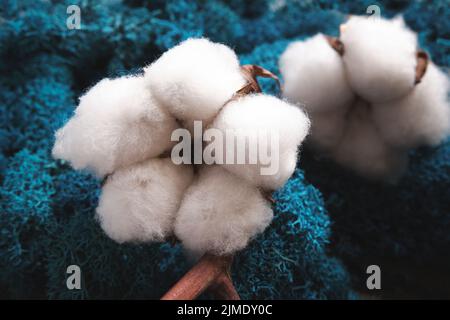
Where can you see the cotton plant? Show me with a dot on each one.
(372, 95)
(122, 130)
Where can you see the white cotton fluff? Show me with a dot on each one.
(220, 213)
(117, 123)
(363, 150)
(139, 203)
(263, 117)
(379, 57)
(194, 79)
(420, 118)
(327, 129)
(314, 76)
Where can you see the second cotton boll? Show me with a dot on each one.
(402, 96)
(362, 148)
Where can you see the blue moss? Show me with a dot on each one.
(41, 108)
(26, 213)
(292, 20)
(289, 260)
(146, 271)
(109, 270)
(248, 9)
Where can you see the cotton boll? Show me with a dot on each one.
(380, 57)
(194, 79)
(420, 118)
(220, 213)
(272, 129)
(117, 123)
(363, 150)
(139, 203)
(314, 76)
(327, 129)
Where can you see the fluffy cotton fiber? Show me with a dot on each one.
(422, 117)
(220, 213)
(327, 129)
(117, 123)
(378, 65)
(363, 150)
(194, 79)
(265, 117)
(380, 57)
(314, 76)
(139, 203)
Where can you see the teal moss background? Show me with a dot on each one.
(329, 224)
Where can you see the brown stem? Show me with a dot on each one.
(224, 288)
(209, 272)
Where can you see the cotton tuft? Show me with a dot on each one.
(363, 150)
(139, 203)
(314, 76)
(117, 123)
(194, 79)
(220, 213)
(327, 130)
(420, 118)
(379, 57)
(266, 117)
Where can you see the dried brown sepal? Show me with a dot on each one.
(421, 67)
(251, 72)
(173, 240)
(267, 194)
(336, 44)
(104, 180)
(210, 272)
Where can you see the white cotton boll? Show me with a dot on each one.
(272, 129)
(194, 79)
(314, 75)
(327, 129)
(363, 150)
(420, 118)
(117, 123)
(220, 213)
(139, 203)
(380, 57)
